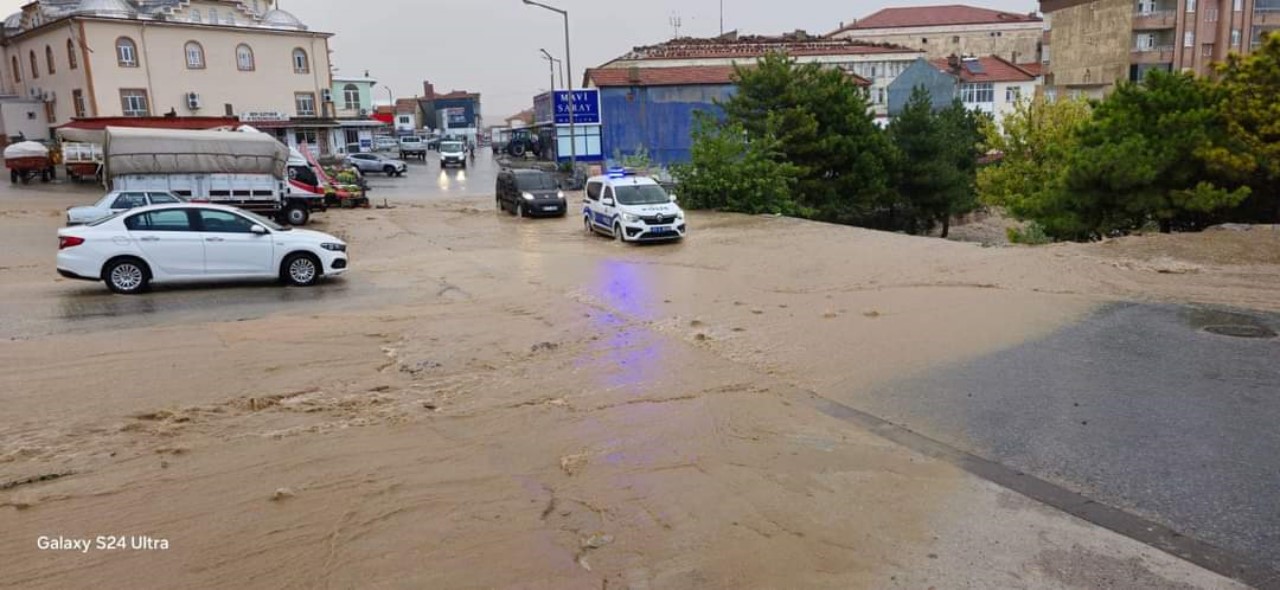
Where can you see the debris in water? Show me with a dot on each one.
(871, 313)
(282, 494)
(544, 346)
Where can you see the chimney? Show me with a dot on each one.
(428, 90)
(953, 62)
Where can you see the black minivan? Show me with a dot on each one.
(530, 193)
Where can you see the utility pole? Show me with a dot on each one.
(675, 25)
(721, 18)
(568, 59)
(551, 65)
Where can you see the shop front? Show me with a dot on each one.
(314, 132)
(551, 118)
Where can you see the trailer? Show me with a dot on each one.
(82, 160)
(245, 170)
(27, 160)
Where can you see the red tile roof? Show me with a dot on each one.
(197, 123)
(1034, 69)
(993, 69)
(674, 76)
(937, 16)
(406, 105)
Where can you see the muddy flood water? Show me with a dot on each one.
(493, 402)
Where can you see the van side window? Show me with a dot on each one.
(593, 191)
(608, 192)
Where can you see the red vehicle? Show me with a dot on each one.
(27, 160)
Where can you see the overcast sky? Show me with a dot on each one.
(491, 46)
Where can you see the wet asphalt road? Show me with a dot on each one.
(1138, 407)
(85, 306)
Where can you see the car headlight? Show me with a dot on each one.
(560, 194)
(334, 247)
(629, 218)
(679, 214)
(527, 196)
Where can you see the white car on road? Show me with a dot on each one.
(631, 209)
(190, 242)
(117, 201)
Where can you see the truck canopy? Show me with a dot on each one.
(168, 151)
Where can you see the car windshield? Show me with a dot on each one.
(263, 221)
(536, 182)
(641, 194)
(451, 146)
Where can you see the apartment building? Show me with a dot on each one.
(182, 58)
(987, 84)
(942, 31)
(1090, 45)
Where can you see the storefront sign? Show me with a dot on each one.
(263, 117)
(586, 107)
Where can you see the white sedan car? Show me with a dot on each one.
(194, 242)
(117, 201)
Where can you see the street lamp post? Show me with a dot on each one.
(568, 58)
(392, 101)
(556, 62)
(551, 64)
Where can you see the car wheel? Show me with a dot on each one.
(586, 224)
(520, 212)
(390, 170)
(297, 215)
(617, 232)
(126, 276)
(300, 270)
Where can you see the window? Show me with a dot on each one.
(306, 103)
(405, 120)
(225, 223)
(130, 201)
(195, 15)
(17, 71)
(133, 102)
(244, 58)
(71, 55)
(1211, 15)
(1145, 41)
(1235, 37)
(213, 16)
(1191, 5)
(126, 52)
(1189, 39)
(1013, 94)
(955, 39)
(166, 220)
(163, 199)
(77, 103)
(593, 190)
(1238, 5)
(306, 137)
(977, 93)
(35, 67)
(195, 56)
(48, 60)
(1207, 50)
(301, 65)
(351, 96)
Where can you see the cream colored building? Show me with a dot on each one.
(184, 58)
(943, 31)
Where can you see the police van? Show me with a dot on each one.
(631, 208)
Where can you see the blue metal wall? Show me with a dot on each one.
(943, 88)
(658, 118)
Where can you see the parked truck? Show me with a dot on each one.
(245, 170)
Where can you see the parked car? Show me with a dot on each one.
(529, 193)
(116, 202)
(631, 208)
(385, 144)
(194, 242)
(413, 147)
(377, 163)
(453, 153)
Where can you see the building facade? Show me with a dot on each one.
(353, 109)
(942, 31)
(991, 85)
(1090, 45)
(139, 58)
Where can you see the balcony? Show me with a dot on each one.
(1151, 55)
(1155, 20)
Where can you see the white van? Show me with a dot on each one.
(631, 208)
